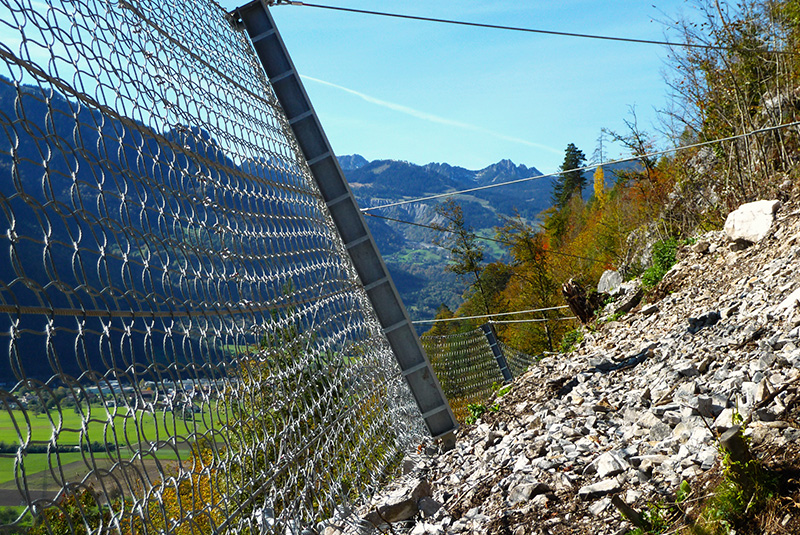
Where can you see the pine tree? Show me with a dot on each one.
(571, 180)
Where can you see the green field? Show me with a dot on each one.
(124, 426)
(38, 462)
(124, 429)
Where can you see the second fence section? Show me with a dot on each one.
(468, 369)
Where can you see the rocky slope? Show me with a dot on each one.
(634, 410)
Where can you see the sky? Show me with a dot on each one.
(425, 92)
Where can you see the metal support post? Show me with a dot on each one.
(488, 330)
(285, 81)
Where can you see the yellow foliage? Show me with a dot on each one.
(192, 504)
(599, 186)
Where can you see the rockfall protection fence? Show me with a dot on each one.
(472, 366)
(189, 347)
(518, 362)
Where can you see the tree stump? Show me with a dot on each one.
(581, 304)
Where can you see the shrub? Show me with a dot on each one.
(569, 340)
(663, 259)
(476, 410)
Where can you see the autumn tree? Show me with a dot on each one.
(599, 186)
(740, 81)
(532, 285)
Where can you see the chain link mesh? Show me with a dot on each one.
(466, 368)
(189, 350)
(518, 362)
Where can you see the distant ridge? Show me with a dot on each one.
(353, 161)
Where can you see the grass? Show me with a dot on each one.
(504, 390)
(35, 463)
(102, 426)
(742, 501)
(120, 429)
(570, 340)
(615, 316)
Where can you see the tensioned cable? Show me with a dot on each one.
(437, 320)
(586, 167)
(208, 310)
(440, 229)
(507, 28)
(480, 237)
(539, 320)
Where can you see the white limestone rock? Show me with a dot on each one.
(751, 222)
(602, 488)
(610, 281)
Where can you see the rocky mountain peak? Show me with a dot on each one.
(504, 170)
(352, 161)
(498, 172)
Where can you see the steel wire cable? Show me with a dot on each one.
(535, 320)
(489, 316)
(477, 236)
(501, 27)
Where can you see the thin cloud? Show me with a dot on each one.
(431, 117)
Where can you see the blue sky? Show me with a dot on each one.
(426, 92)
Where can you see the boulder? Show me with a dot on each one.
(591, 492)
(393, 512)
(528, 488)
(610, 281)
(608, 465)
(402, 504)
(751, 222)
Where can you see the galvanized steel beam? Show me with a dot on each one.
(491, 337)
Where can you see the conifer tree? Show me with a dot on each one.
(571, 180)
(466, 252)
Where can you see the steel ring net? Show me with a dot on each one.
(189, 349)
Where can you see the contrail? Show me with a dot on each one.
(431, 117)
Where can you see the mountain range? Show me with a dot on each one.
(416, 262)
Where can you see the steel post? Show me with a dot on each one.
(256, 20)
(488, 330)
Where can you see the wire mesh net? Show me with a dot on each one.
(466, 368)
(188, 347)
(518, 361)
